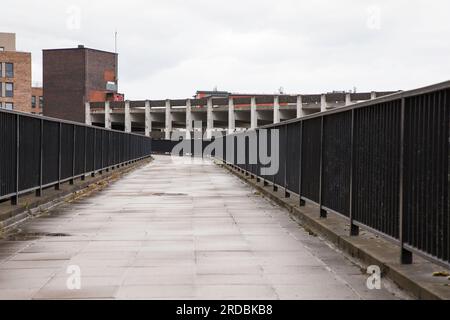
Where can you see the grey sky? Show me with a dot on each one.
(171, 48)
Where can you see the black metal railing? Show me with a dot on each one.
(38, 152)
(383, 164)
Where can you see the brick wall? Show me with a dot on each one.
(70, 75)
(21, 79)
(38, 94)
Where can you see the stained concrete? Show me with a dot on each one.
(174, 230)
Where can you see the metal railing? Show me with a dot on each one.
(38, 152)
(382, 164)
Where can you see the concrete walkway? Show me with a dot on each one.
(176, 231)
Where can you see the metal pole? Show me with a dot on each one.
(93, 153)
(286, 193)
(106, 165)
(406, 256)
(57, 186)
(83, 177)
(258, 164)
(41, 154)
(275, 187)
(15, 199)
(73, 155)
(102, 165)
(354, 229)
(302, 202)
(323, 213)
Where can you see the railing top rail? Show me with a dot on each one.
(387, 98)
(30, 115)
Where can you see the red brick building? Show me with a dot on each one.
(37, 100)
(15, 75)
(75, 76)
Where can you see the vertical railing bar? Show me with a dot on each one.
(446, 220)
(300, 169)
(83, 177)
(323, 213)
(73, 154)
(274, 187)
(102, 164)
(405, 255)
(440, 209)
(94, 153)
(107, 151)
(446, 162)
(58, 184)
(41, 155)
(354, 229)
(286, 192)
(15, 199)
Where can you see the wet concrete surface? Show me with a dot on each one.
(177, 230)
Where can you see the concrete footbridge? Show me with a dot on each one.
(176, 230)
(349, 203)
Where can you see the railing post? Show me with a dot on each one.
(354, 229)
(15, 198)
(274, 186)
(286, 193)
(41, 154)
(93, 153)
(258, 165)
(302, 202)
(406, 256)
(83, 177)
(102, 165)
(106, 164)
(57, 186)
(73, 155)
(323, 213)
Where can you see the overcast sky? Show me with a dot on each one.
(171, 48)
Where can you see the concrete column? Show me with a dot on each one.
(348, 99)
(188, 119)
(231, 116)
(323, 103)
(276, 109)
(107, 115)
(168, 120)
(373, 95)
(209, 119)
(300, 112)
(127, 117)
(87, 111)
(148, 119)
(253, 114)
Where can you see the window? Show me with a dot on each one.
(33, 101)
(9, 68)
(9, 106)
(41, 102)
(9, 90)
(1, 105)
(2, 48)
(1, 70)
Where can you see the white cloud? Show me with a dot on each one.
(170, 48)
